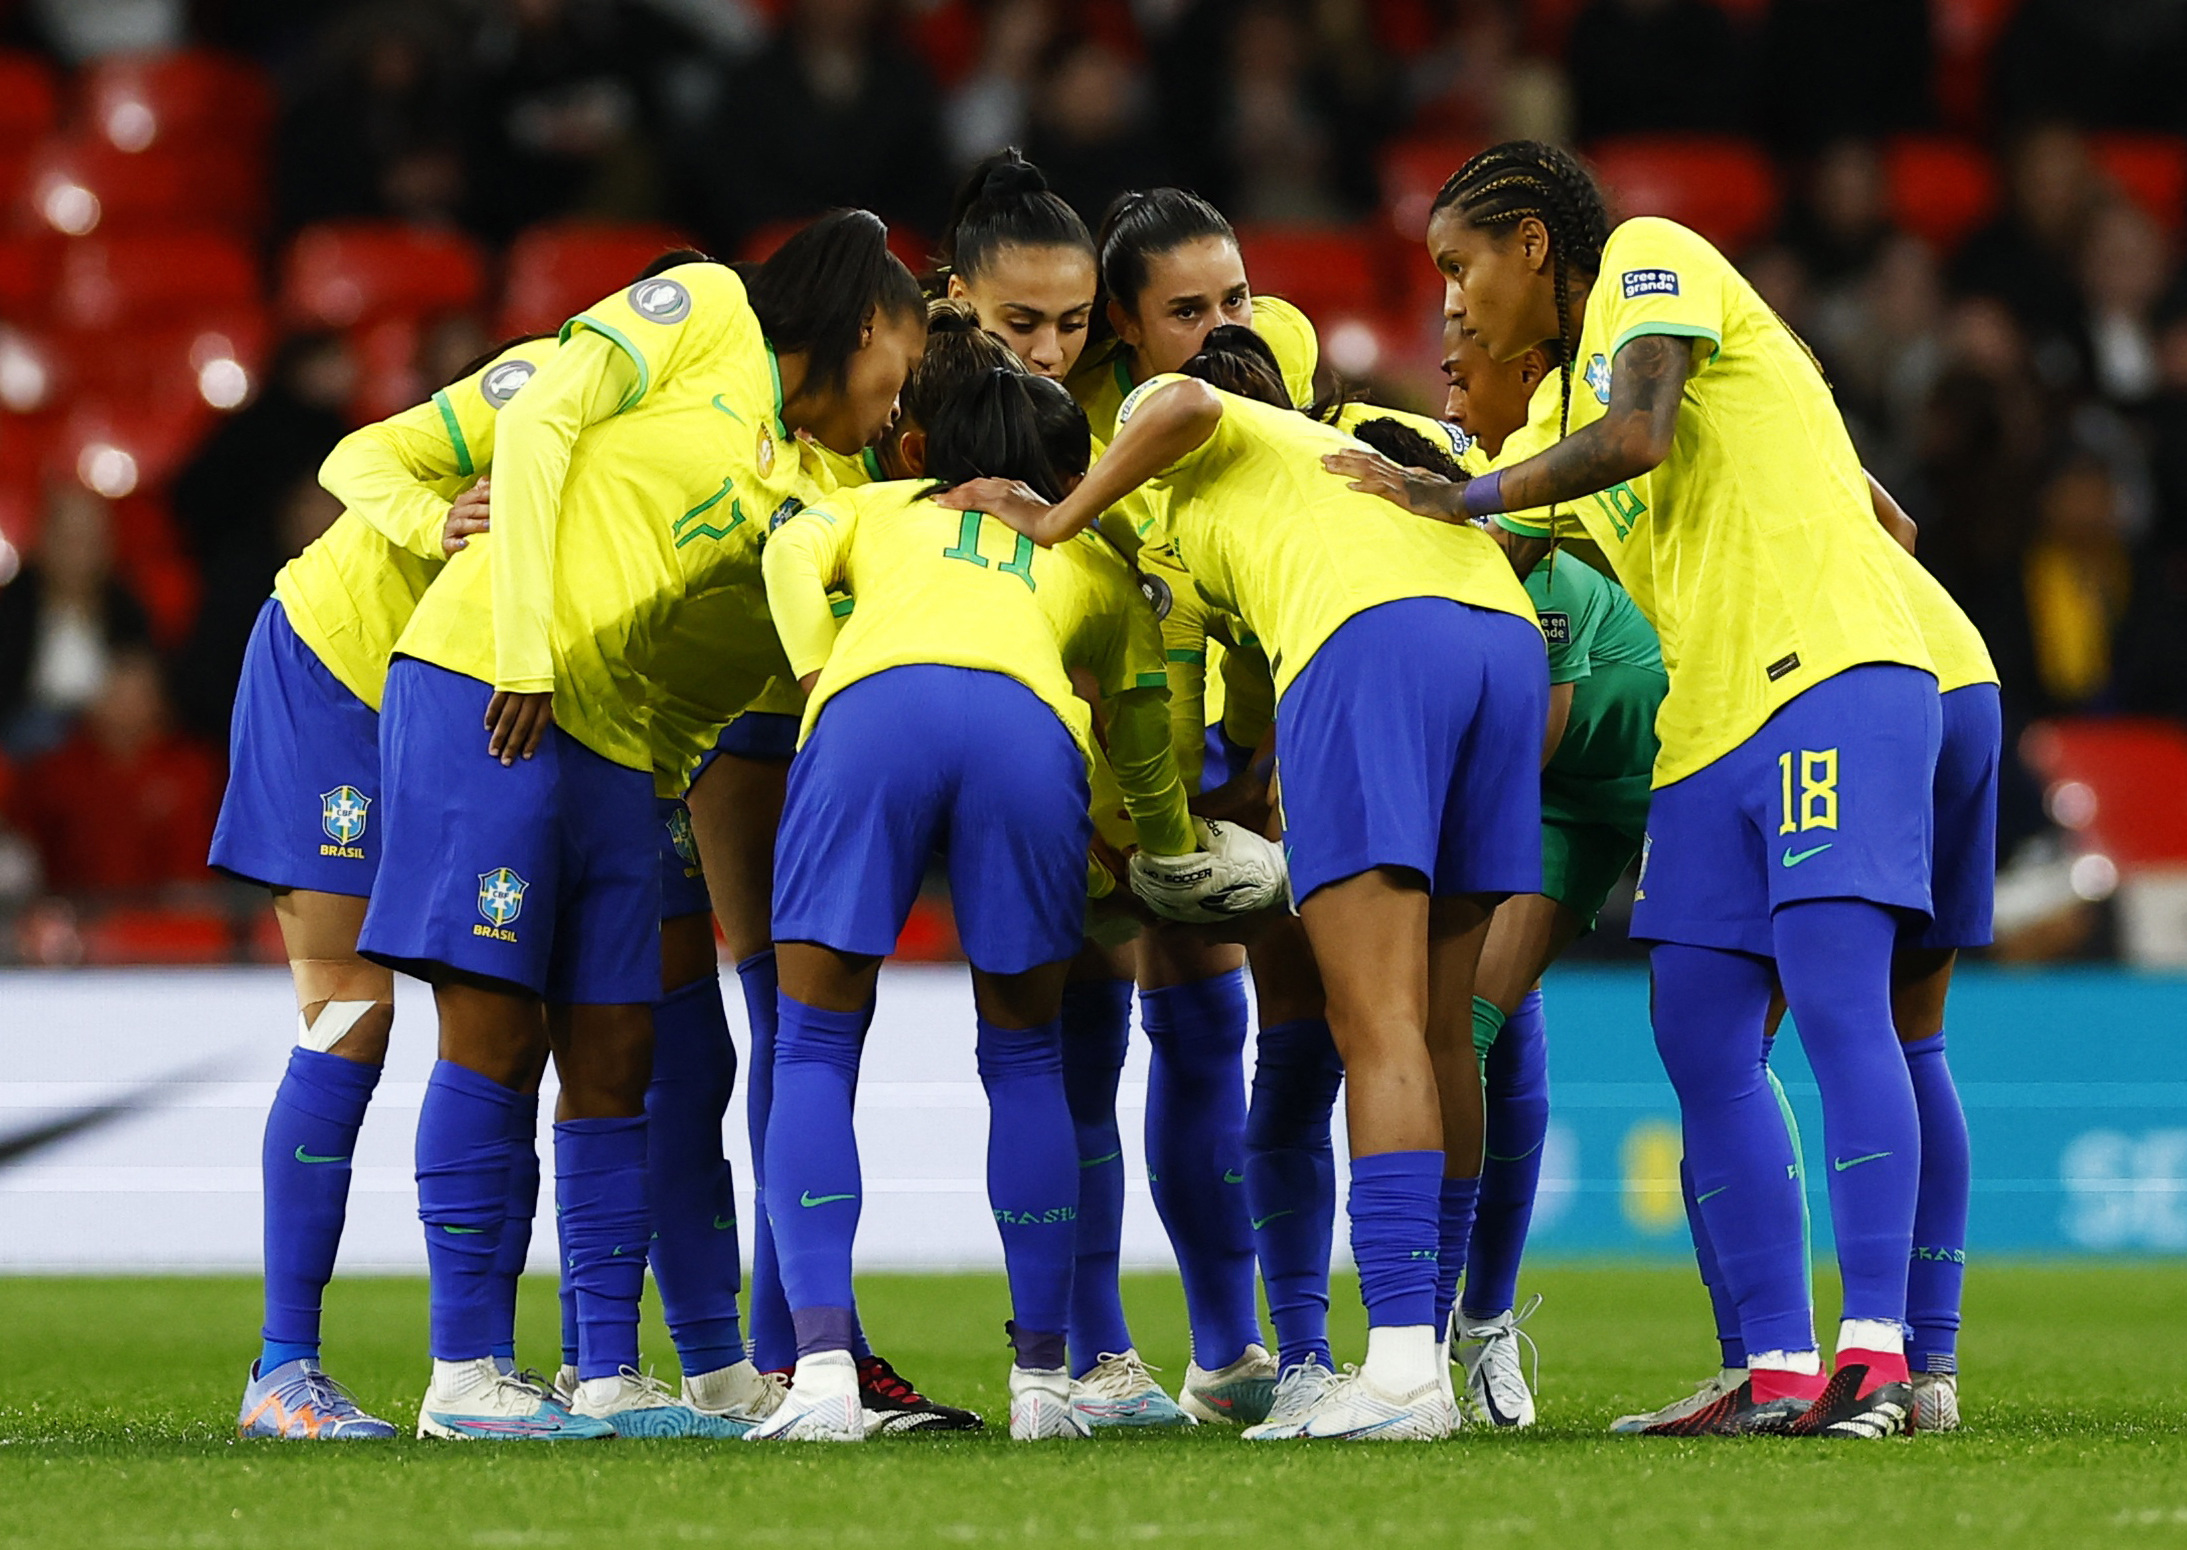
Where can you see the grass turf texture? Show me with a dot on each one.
(117, 1400)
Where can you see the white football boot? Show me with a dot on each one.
(1936, 1402)
(1297, 1391)
(1040, 1405)
(740, 1394)
(821, 1404)
(474, 1402)
(1238, 1395)
(1352, 1409)
(1121, 1391)
(1496, 1381)
(637, 1404)
(1710, 1391)
(564, 1388)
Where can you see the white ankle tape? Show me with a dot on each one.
(335, 1019)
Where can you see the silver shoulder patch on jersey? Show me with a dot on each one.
(499, 385)
(1158, 594)
(660, 299)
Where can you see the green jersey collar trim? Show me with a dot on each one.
(1675, 330)
(454, 427)
(616, 337)
(774, 374)
(1124, 383)
(871, 458)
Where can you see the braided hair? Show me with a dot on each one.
(1507, 183)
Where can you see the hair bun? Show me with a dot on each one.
(1012, 177)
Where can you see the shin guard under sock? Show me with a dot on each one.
(1032, 1174)
(1515, 1069)
(1455, 1204)
(1290, 1181)
(1096, 1035)
(696, 1265)
(814, 1190)
(1939, 1266)
(1396, 1235)
(463, 1148)
(1196, 1155)
(599, 1189)
(774, 1337)
(516, 1228)
(311, 1136)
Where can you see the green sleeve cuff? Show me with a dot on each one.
(1674, 330)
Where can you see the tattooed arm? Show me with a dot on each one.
(1632, 437)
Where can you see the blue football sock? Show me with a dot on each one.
(1708, 1009)
(1834, 961)
(696, 1266)
(1455, 1206)
(812, 1165)
(1196, 1155)
(1721, 1306)
(774, 1338)
(1939, 1265)
(1290, 1181)
(599, 1187)
(1032, 1179)
(1396, 1235)
(516, 1228)
(311, 1135)
(1516, 1071)
(1096, 1033)
(566, 1293)
(463, 1146)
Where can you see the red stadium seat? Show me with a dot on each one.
(136, 101)
(119, 282)
(1413, 173)
(1940, 189)
(347, 272)
(30, 100)
(29, 264)
(85, 185)
(561, 268)
(2151, 170)
(1723, 188)
(1328, 274)
(1965, 31)
(2119, 783)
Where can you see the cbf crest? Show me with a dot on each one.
(1598, 377)
(679, 835)
(501, 896)
(342, 814)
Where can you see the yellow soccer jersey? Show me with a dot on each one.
(1754, 549)
(1961, 656)
(633, 488)
(1273, 537)
(1197, 636)
(351, 592)
(1443, 435)
(1103, 383)
(962, 590)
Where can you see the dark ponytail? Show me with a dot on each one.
(991, 428)
(1005, 202)
(1065, 434)
(1239, 361)
(958, 352)
(1143, 224)
(817, 290)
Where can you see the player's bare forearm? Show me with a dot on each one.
(1418, 490)
(1632, 438)
(1893, 516)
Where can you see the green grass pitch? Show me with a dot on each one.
(117, 1399)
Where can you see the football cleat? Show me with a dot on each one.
(563, 1390)
(298, 1402)
(894, 1405)
(1297, 1391)
(740, 1393)
(1351, 1409)
(1237, 1395)
(823, 1412)
(1120, 1391)
(1936, 1401)
(635, 1404)
(1854, 1407)
(1496, 1381)
(471, 1402)
(1708, 1393)
(1736, 1414)
(1040, 1405)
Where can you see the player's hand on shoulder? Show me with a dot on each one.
(1235, 872)
(1418, 491)
(1010, 500)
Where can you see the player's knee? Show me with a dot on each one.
(1013, 1054)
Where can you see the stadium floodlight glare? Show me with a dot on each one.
(24, 380)
(2094, 877)
(2071, 804)
(106, 469)
(69, 207)
(223, 383)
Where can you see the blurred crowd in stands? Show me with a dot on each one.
(231, 229)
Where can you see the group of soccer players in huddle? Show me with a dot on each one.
(759, 586)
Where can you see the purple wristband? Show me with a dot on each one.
(1485, 494)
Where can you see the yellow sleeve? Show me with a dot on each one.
(1657, 278)
(802, 561)
(1184, 652)
(1249, 694)
(1146, 769)
(1290, 334)
(386, 474)
(586, 382)
(653, 321)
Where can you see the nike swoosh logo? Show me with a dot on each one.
(463, 1231)
(1793, 858)
(1232, 1178)
(1520, 1157)
(303, 1156)
(1095, 1162)
(1262, 1221)
(1712, 1194)
(725, 409)
(1843, 1163)
(724, 1223)
(809, 1199)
